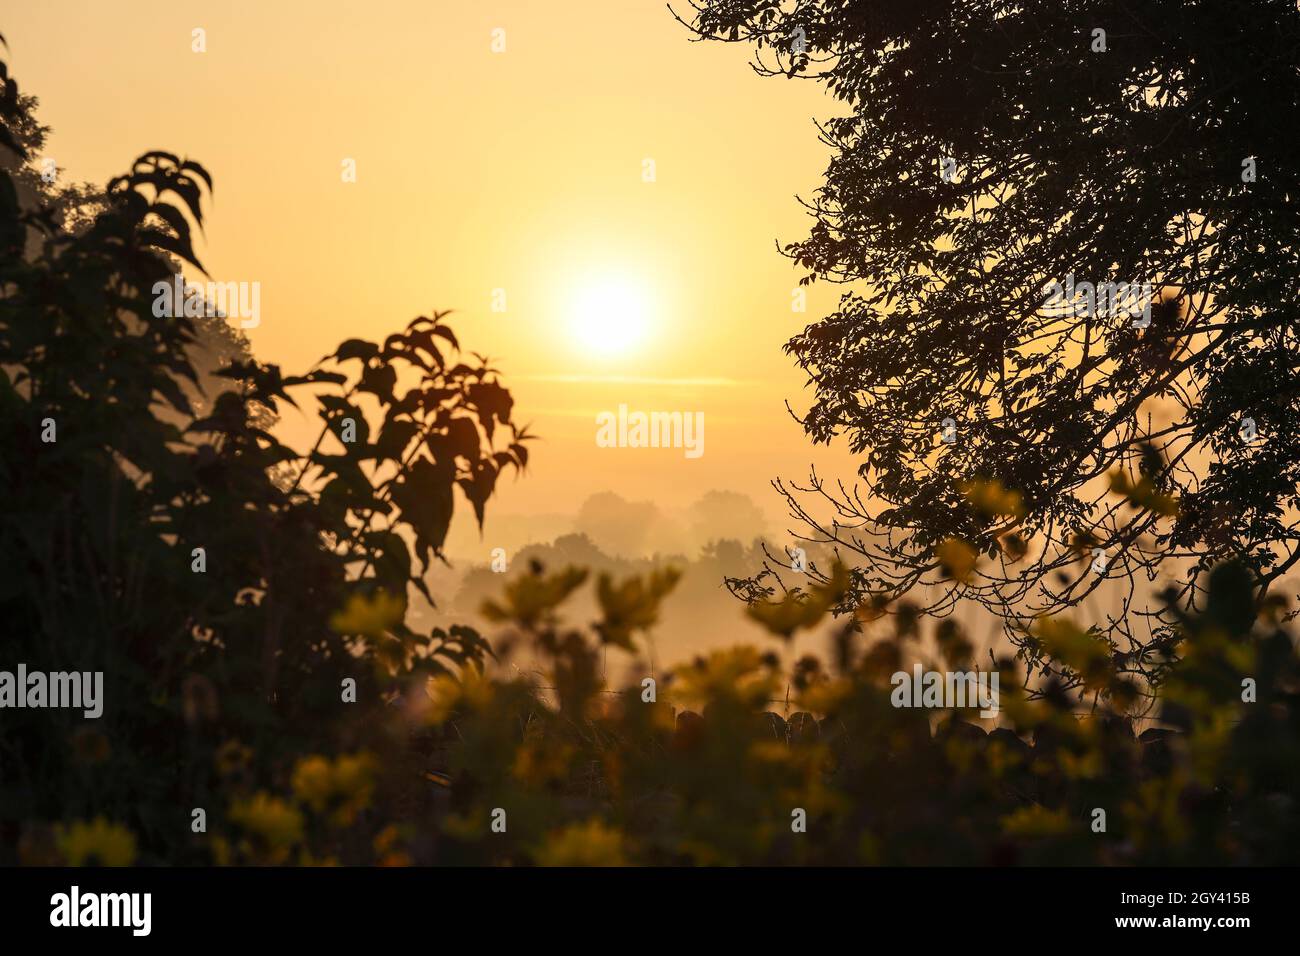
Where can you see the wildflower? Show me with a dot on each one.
(346, 785)
(276, 821)
(1036, 822)
(312, 783)
(232, 757)
(387, 848)
(992, 499)
(100, 842)
(739, 673)
(531, 600)
(539, 762)
(800, 610)
(583, 844)
(956, 559)
(370, 615)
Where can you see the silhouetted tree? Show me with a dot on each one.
(988, 149)
(225, 584)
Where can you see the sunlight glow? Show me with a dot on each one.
(610, 315)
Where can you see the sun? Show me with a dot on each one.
(610, 315)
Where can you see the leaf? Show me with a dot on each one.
(395, 435)
(379, 381)
(356, 349)
(493, 403)
(391, 558)
(478, 489)
(425, 499)
(1230, 601)
(462, 439)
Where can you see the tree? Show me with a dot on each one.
(226, 585)
(1141, 157)
(73, 207)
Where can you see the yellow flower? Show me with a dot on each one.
(633, 605)
(1143, 494)
(992, 499)
(354, 774)
(347, 784)
(221, 852)
(232, 757)
(826, 696)
(1085, 766)
(371, 616)
(100, 842)
(354, 783)
(739, 673)
(957, 559)
(448, 695)
(1084, 651)
(539, 762)
(531, 599)
(1036, 822)
(800, 610)
(274, 820)
(312, 782)
(387, 849)
(1154, 815)
(583, 844)
(386, 839)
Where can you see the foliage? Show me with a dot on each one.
(227, 687)
(1160, 153)
(579, 774)
(1216, 783)
(226, 585)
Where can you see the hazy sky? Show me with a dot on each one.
(476, 171)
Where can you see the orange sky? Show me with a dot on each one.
(477, 171)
